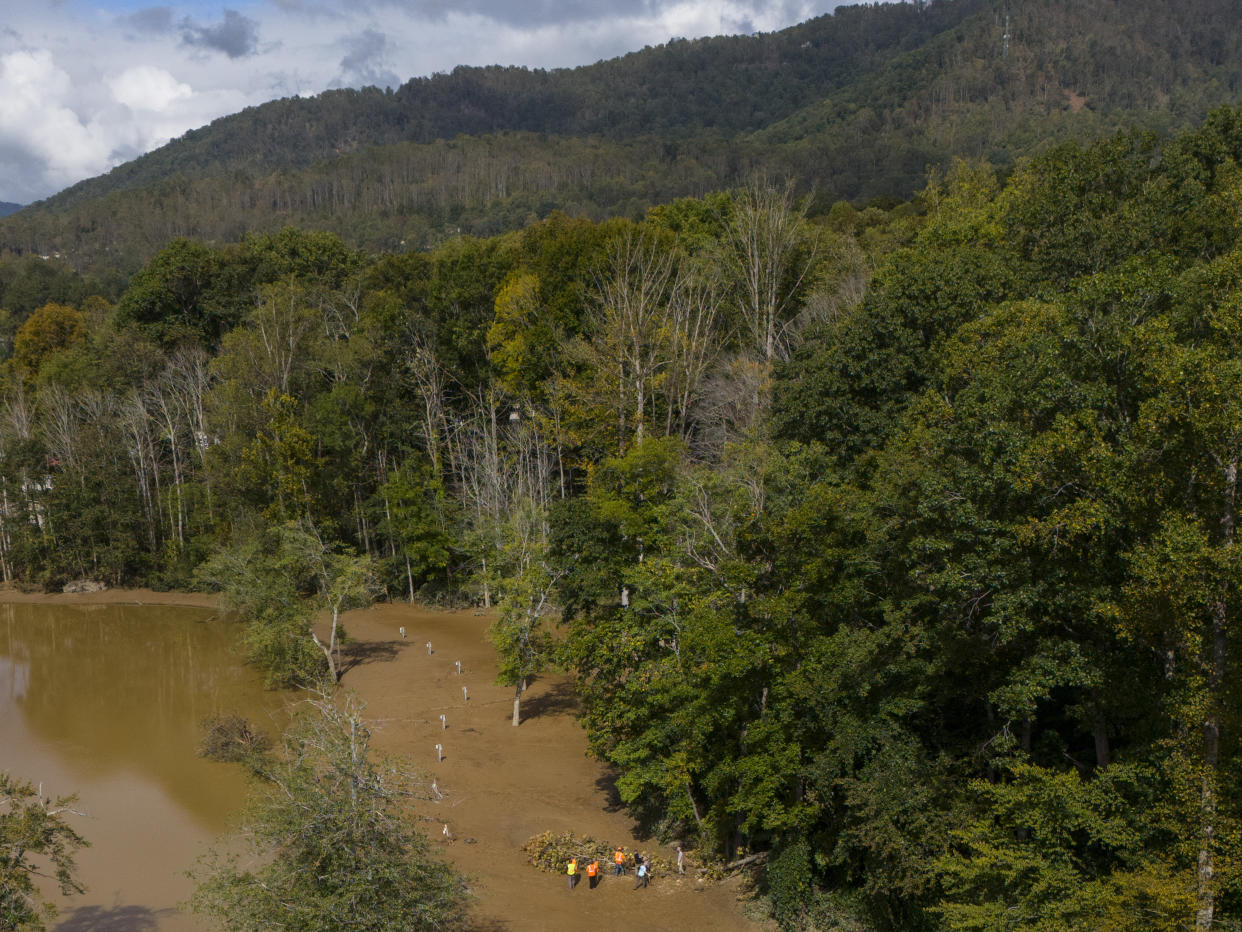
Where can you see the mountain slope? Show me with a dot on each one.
(729, 84)
(853, 105)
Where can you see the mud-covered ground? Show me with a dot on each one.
(502, 784)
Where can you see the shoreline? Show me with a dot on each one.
(109, 597)
(498, 785)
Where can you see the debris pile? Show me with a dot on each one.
(550, 852)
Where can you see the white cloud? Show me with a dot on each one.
(148, 88)
(44, 141)
(88, 84)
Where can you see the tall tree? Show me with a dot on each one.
(331, 844)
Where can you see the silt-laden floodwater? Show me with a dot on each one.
(105, 701)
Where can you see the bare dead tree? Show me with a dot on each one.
(59, 424)
(17, 422)
(631, 345)
(839, 288)
(431, 382)
(279, 336)
(732, 402)
(478, 476)
(773, 256)
(135, 420)
(18, 412)
(694, 343)
(187, 378)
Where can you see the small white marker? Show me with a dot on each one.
(428, 648)
(439, 753)
(402, 630)
(465, 695)
(459, 668)
(443, 723)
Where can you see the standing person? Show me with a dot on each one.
(572, 871)
(642, 875)
(681, 860)
(592, 874)
(618, 861)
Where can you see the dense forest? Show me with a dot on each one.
(894, 548)
(856, 105)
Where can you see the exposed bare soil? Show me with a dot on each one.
(500, 784)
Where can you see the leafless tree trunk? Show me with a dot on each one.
(135, 420)
(60, 424)
(1216, 663)
(163, 405)
(19, 413)
(185, 381)
(16, 422)
(479, 476)
(632, 343)
(693, 346)
(773, 257)
(6, 543)
(279, 336)
(430, 381)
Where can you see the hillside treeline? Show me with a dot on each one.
(725, 84)
(390, 199)
(896, 551)
(856, 105)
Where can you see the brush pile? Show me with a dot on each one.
(551, 852)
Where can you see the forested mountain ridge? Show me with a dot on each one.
(729, 84)
(854, 105)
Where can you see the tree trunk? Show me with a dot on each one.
(1206, 898)
(694, 806)
(327, 653)
(1206, 894)
(517, 703)
(1103, 756)
(330, 649)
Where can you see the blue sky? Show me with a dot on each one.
(88, 84)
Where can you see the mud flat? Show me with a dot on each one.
(96, 685)
(503, 784)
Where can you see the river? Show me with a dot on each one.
(105, 701)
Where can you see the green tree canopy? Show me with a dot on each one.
(331, 842)
(36, 842)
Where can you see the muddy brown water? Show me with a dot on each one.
(104, 701)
